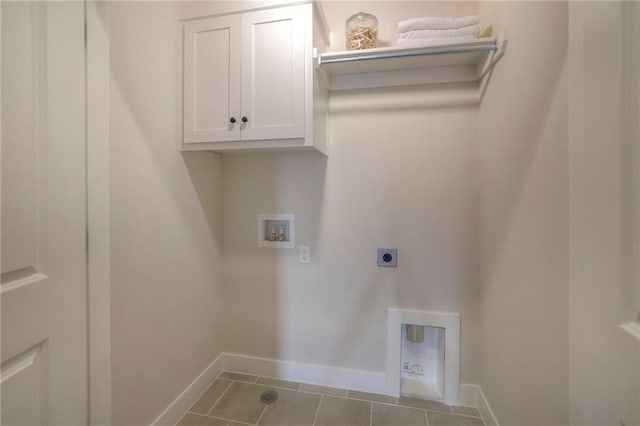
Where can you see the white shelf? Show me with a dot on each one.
(433, 62)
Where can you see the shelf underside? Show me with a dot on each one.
(392, 66)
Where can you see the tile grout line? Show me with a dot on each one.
(320, 393)
(264, 410)
(198, 398)
(181, 417)
(192, 413)
(377, 402)
(226, 420)
(434, 411)
(467, 415)
(392, 405)
(254, 377)
(299, 389)
(230, 421)
(315, 418)
(219, 418)
(241, 381)
(347, 391)
(275, 387)
(220, 397)
(423, 408)
(396, 404)
(455, 414)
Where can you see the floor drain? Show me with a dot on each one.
(269, 397)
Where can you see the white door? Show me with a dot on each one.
(273, 73)
(212, 80)
(43, 254)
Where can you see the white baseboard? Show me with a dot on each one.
(469, 395)
(472, 396)
(190, 395)
(345, 378)
(485, 410)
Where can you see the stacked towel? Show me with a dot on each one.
(418, 31)
(431, 23)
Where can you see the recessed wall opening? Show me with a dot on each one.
(422, 361)
(423, 355)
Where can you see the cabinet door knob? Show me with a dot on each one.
(245, 119)
(232, 120)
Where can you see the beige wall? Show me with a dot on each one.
(401, 174)
(165, 223)
(475, 200)
(389, 13)
(523, 163)
(605, 361)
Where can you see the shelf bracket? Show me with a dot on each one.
(317, 65)
(317, 59)
(501, 46)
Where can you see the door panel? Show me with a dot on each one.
(21, 28)
(273, 78)
(24, 386)
(212, 80)
(43, 251)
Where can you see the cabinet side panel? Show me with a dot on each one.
(319, 99)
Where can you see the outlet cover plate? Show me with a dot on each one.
(304, 254)
(388, 257)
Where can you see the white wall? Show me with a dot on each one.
(523, 155)
(401, 174)
(165, 222)
(605, 361)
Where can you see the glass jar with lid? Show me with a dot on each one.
(362, 31)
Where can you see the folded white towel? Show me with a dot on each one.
(472, 30)
(417, 42)
(434, 23)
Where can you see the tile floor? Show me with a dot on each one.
(234, 400)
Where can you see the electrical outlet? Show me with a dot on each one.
(304, 254)
(388, 257)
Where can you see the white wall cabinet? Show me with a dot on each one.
(250, 83)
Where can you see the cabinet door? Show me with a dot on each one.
(212, 79)
(273, 73)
